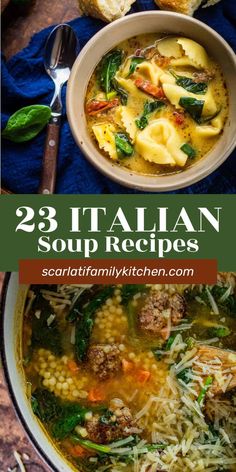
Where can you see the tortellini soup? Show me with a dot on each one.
(156, 105)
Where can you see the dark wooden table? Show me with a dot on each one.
(17, 28)
(19, 24)
(12, 435)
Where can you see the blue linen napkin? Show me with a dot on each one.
(24, 82)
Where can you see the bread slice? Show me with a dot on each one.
(106, 10)
(188, 7)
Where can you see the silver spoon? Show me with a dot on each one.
(61, 50)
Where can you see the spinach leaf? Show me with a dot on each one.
(62, 417)
(123, 145)
(45, 404)
(120, 91)
(193, 106)
(45, 336)
(84, 324)
(149, 107)
(108, 68)
(142, 122)
(135, 61)
(219, 331)
(169, 342)
(129, 290)
(85, 297)
(189, 150)
(189, 84)
(71, 415)
(112, 449)
(26, 123)
(184, 375)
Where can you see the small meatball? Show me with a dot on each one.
(104, 360)
(159, 307)
(178, 308)
(119, 424)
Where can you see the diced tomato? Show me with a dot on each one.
(143, 376)
(72, 366)
(127, 366)
(77, 451)
(178, 118)
(99, 106)
(149, 88)
(96, 395)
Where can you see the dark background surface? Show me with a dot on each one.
(18, 25)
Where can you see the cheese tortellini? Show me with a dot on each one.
(213, 129)
(156, 105)
(160, 143)
(174, 93)
(127, 117)
(105, 137)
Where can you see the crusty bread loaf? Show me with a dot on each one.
(106, 10)
(188, 7)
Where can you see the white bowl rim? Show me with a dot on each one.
(164, 184)
(3, 354)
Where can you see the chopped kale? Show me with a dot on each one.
(45, 336)
(128, 291)
(84, 323)
(45, 405)
(61, 417)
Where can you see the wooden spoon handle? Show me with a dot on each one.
(48, 178)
